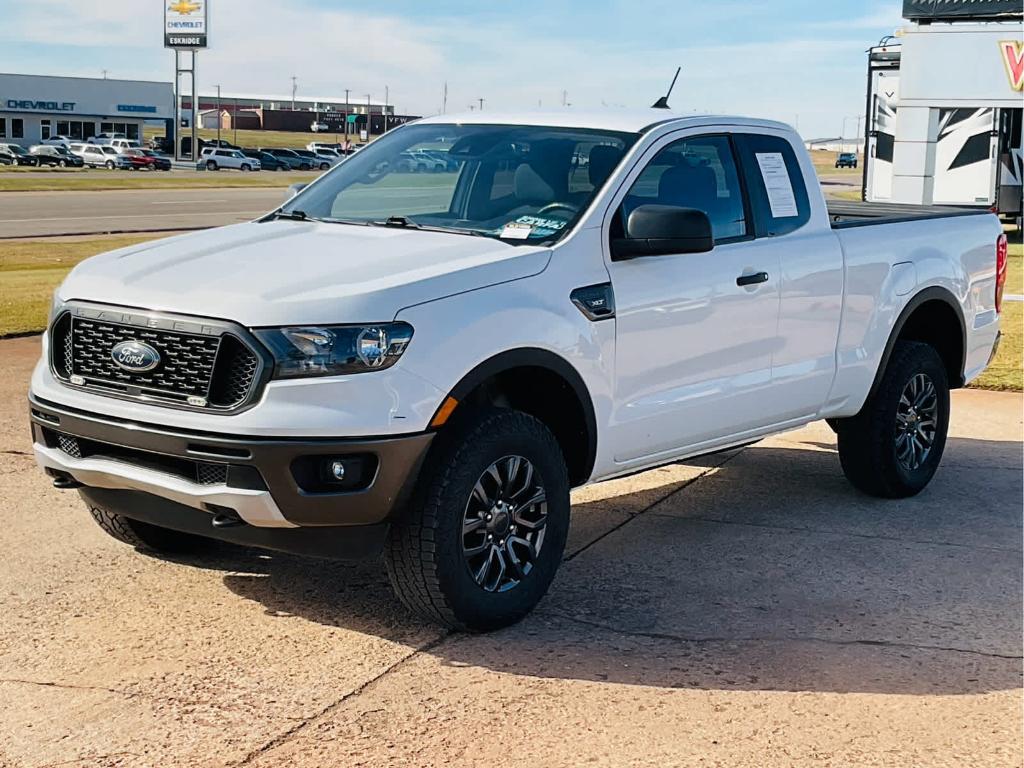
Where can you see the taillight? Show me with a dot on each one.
(1001, 252)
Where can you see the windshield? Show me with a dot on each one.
(16, 150)
(513, 182)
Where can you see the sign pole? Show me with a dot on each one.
(195, 111)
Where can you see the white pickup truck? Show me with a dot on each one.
(422, 365)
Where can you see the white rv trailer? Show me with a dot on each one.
(944, 108)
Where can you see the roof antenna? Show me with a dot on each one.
(662, 103)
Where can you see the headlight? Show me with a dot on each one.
(335, 350)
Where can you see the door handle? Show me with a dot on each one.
(754, 279)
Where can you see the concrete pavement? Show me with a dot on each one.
(34, 214)
(750, 609)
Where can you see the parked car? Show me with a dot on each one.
(846, 160)
(101, 156)
(332, 157)
(161, 144)
(314, 160)
(60, 141)
(294, 160)
(14, 154)
(105, 138)
(313, 146)
(319, 127)
(267, 161)
(220, 144)
(453, 381)
(160, 162)
(214, 159)
(55, 155)
(139, 160)
(418, 161)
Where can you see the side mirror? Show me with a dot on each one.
(659, 230)
(294, 189)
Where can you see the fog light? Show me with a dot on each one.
(338, 470)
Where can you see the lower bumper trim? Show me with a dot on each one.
(331, 543)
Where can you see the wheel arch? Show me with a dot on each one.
(545, 385)
(933, 316)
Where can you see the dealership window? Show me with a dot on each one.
(45, 128)
(17, 128)
(63, 128)
(3, 127)
(133, 131)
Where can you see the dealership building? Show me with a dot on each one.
(35, 107)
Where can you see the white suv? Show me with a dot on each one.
(214, 159)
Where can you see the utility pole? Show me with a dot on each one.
(234, 121)
(104, 74)
(346, 117)
(565, 98)
(367, 117)
(295, 87)
(444, 98)
(218, 114)
(387, 97)
(481, 104)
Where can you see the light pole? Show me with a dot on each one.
(218, 114)
(367, 117)
(295, 87)
(346, 118)
(387, 97)
(481, 104)
(234, 120)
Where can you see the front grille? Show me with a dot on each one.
(69, 445)
(210, 369)
(211, 474)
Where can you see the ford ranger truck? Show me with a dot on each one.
(421, 366)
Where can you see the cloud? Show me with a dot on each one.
(513, 61)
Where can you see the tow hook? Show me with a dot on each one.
(227, 519)
(65, 482)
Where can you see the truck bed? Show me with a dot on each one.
(844, 214)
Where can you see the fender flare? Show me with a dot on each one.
(934, 293)
(531, 357)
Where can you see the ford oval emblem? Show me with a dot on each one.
(135, 356)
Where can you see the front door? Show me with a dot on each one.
(694, 332)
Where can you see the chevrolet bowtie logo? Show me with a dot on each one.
(183, 7)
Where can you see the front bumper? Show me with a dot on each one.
(267, 483)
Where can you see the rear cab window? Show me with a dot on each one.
(775, 184)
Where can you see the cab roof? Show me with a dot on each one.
(624, 120)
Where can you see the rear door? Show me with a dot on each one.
(694, 332)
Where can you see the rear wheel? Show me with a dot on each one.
(324, 166)
(144, 536)
(211, 165)
(246, 167)
(62, 163)
(893, 447)
(481, 540)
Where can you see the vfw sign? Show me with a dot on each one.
(1013, 58)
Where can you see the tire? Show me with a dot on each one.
(211, 165)
(879, 447)
(246, 167)
(62, 163)
(426, 558)
(110, 165)
(146, 537)
(324, 166)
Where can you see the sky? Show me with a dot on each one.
(799, 61)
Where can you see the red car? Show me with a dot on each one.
(140, 160)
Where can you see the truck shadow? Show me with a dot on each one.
(770, 573)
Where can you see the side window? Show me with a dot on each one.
(697, 172)
(778, 195)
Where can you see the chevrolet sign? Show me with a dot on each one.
(185, 24)
(41, 106)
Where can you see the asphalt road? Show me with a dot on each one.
(37, 214)
(24, 214)
(747, 610)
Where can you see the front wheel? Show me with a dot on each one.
(211, 166)
(110, 165)
(480, 542)
(246, 167)
(893, 447)
(63, 163)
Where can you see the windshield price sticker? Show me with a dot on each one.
(515, 230)
(777, 184)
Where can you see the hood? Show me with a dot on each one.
(295, 273)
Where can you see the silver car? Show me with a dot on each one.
(101, 156)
